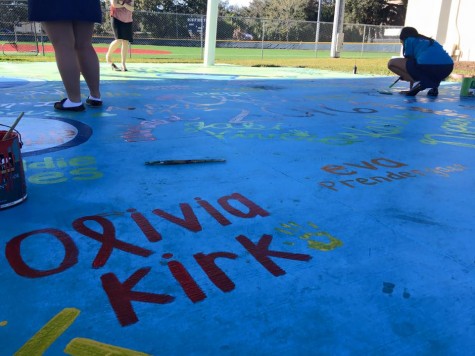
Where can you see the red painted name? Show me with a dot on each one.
(122, 293)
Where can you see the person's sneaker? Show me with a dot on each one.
(415, 89)
(433, 92)
(60, 106)
(93, 102)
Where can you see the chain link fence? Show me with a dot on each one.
(181, 36)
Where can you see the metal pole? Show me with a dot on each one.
(176, 22)
(201, 38)
(262, 41)
(317, 34)
(362, 42)
(210, 36)
(337, 35)
(41, 38)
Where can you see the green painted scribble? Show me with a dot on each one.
(463, 140)
(43, 339)
(86, 347)
(293, 229)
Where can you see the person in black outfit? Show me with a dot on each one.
(121, 17)
(69, 25)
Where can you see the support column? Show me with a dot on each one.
(211, 27)
(338, 35)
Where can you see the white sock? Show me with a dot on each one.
(93, 98)
(70, 104)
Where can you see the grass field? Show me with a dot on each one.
(374, 63)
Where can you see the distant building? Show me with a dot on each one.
(450, 22)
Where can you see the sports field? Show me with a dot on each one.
(368, 63)
(144, 52)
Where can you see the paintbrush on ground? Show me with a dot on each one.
(183, 161)
(393, 84)
(388, 92)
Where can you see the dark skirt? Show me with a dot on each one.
(122, 30)
(65, 10)
(430, 75)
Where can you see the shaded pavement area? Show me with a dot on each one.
(338, 221)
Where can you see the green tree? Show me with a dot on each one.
(286, 12)
(328, 10)
(375, 12)
(256, 9)
(298, 10)
(175, 6)
(371, 12)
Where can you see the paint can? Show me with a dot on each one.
(468, 86)
(12, 175)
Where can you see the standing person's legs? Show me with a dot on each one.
(61, 35)
(123, 53)
(87, 56)
(112, 47)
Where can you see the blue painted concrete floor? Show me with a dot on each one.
(340, 221)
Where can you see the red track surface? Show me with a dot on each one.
(49, 48)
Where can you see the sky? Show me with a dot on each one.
(239, 2)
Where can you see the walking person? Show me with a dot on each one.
(425, 63)
(121, 18)
(69, 26)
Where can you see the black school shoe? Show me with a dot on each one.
(414, 90)
(93, 103)
(433, 92)
(60, 106)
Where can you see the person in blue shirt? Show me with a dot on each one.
(425, 63)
